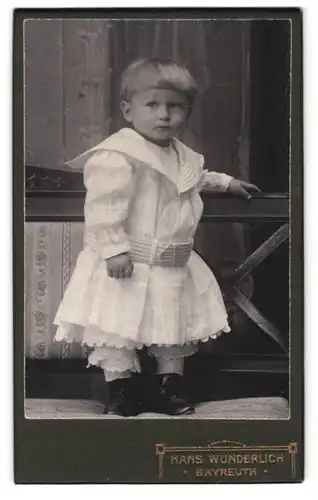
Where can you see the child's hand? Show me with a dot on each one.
(120, 266)
(241, 188)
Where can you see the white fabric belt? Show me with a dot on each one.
(156, 253)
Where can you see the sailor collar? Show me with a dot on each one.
(133, 145)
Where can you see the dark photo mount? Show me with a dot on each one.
(262, 287)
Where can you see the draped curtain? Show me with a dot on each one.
(72, 71)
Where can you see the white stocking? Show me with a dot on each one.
(171, 359)
(168, 365)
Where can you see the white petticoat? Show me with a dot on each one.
(156, 306)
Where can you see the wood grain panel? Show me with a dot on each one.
(87, 92)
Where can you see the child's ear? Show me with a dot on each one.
(126, 110)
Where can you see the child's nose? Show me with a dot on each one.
(163, 112)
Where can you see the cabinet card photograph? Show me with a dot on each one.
(162, 252)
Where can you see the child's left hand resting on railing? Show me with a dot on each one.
(242, 188)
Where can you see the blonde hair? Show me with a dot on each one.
(157, 73)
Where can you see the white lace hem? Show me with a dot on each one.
(114, 360)
(94, 337)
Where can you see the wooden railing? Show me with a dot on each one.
(53, 195)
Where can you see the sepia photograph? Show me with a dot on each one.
(157, 220)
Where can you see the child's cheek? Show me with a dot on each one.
(183, 115)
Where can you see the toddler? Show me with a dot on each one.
(137, 281)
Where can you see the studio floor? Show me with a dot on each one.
(272, 408)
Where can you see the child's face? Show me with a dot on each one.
(157, 113)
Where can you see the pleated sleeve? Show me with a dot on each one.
(108, 178)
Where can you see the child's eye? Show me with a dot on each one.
(174, 105)
(151, 104)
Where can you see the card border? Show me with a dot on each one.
(37, 457)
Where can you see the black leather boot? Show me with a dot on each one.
(123, 398)
(171, 397)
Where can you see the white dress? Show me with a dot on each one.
(136, 189)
